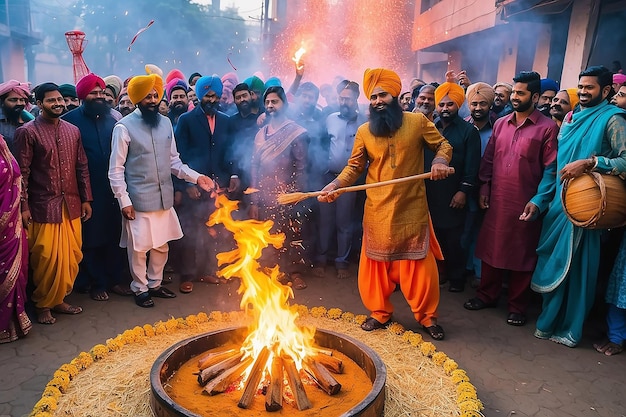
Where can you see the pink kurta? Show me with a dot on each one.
(511, 171)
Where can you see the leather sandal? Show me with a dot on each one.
(477, 304)
(435, 331)
(372, 324)
(516, 319)
(144, 300)
(161, 292)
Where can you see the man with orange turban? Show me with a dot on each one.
(447, 200)
(563, 103)
(399, 246)
(143, 159)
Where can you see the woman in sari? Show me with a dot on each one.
(14, 322)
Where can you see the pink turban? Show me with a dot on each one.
(386, 79)
(619, 79)
(483, 90)
(230, 78)
(22, 89)
(452, 90)
(88, 83)
(175, 83)
(173, 74)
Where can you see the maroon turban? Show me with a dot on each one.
(21, 89)
(86, 84)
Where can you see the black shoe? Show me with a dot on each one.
(144, 300)
(477, 304)
(161, 292)
(456, 286)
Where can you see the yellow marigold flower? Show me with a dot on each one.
(70, 369)
(148, 330)
(470, 405)
(202, 317)
(181, 323)
(348, 316)
(139, 332)
(129, 336)
(396, 328)
(334, 313)
(215, 316)
(318, 312)
(449, 365)
(159, 328)
(303, 311)
(60, 384)
(41, 414)
(53, 392)
(113, 345)
(82, 361)
(459, 376)
(427, 348)
(62, 374)
(472, 413)
(191, 320)
(465, 387)
(99, 352)
(46, 404)
(360, 319)
(466, 395)
(439, 358)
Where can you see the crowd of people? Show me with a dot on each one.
(91, 169)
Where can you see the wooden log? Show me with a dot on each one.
(322, 377)
(274, 394)
(332, 363)
(221, 382)
(212, 371)
(254, 378)
(327, 352)
(295, 383)
(212, 358)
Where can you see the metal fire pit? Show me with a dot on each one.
(169, 361)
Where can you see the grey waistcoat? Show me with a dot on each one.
(148, 165)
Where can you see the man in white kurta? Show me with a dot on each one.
(143, 158)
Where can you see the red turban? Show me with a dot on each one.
(141, 85)
(452, 90)
(22, 89)
(86, 84)
(386, 79)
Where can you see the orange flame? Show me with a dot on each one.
(264, 297)
(298, 56)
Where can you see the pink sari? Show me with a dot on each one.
(14, 322)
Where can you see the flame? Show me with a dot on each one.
(263, 296)
(298, 56)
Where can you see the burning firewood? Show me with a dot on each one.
(274, 395)
(333, 364)
(221, 382)
(295, 383)
(215, 357)
(212, 371)
(254, 378)
(322, 376)
(327, 352)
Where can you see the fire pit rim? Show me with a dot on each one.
(160, 395)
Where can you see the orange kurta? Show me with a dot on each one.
(399, 246)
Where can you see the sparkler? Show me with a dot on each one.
(298, 56)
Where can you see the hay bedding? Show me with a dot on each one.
(420, 381)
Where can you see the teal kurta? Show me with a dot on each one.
(567, 267)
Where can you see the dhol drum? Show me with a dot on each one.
(595, 201)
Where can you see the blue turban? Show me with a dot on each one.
(272, 82)
(206, 83)
(549, 85)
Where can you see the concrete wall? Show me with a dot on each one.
(12, 59)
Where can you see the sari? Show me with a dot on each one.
(14, 321)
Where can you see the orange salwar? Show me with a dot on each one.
(418, 279)
(55, 252)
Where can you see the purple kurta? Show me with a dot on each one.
(510, 173)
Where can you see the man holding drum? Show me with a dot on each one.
(593, 138)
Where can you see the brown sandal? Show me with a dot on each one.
(65, 308)
(297, 282)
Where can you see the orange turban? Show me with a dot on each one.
(141, 85)
(483, 90)
(452, 90)
(386, 79)
(573, 96)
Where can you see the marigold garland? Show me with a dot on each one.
(467, 400)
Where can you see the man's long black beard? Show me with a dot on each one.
(96, 108)
(13, 114)
(177, 110)
(386, 122)
(210, 108)
(151, 117)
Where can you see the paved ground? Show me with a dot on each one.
(515, 374)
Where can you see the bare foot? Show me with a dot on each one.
(319, 271)
(44, 316)
(608, 348)
(343, 274)
(65, 308)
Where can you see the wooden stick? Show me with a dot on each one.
(221, 382)
(215, 357)
(212, 371)
(322, 377)
(327, 352)
(331, 363)
(274, 395)
(254, 378)
(295, 383)
(292, 198)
